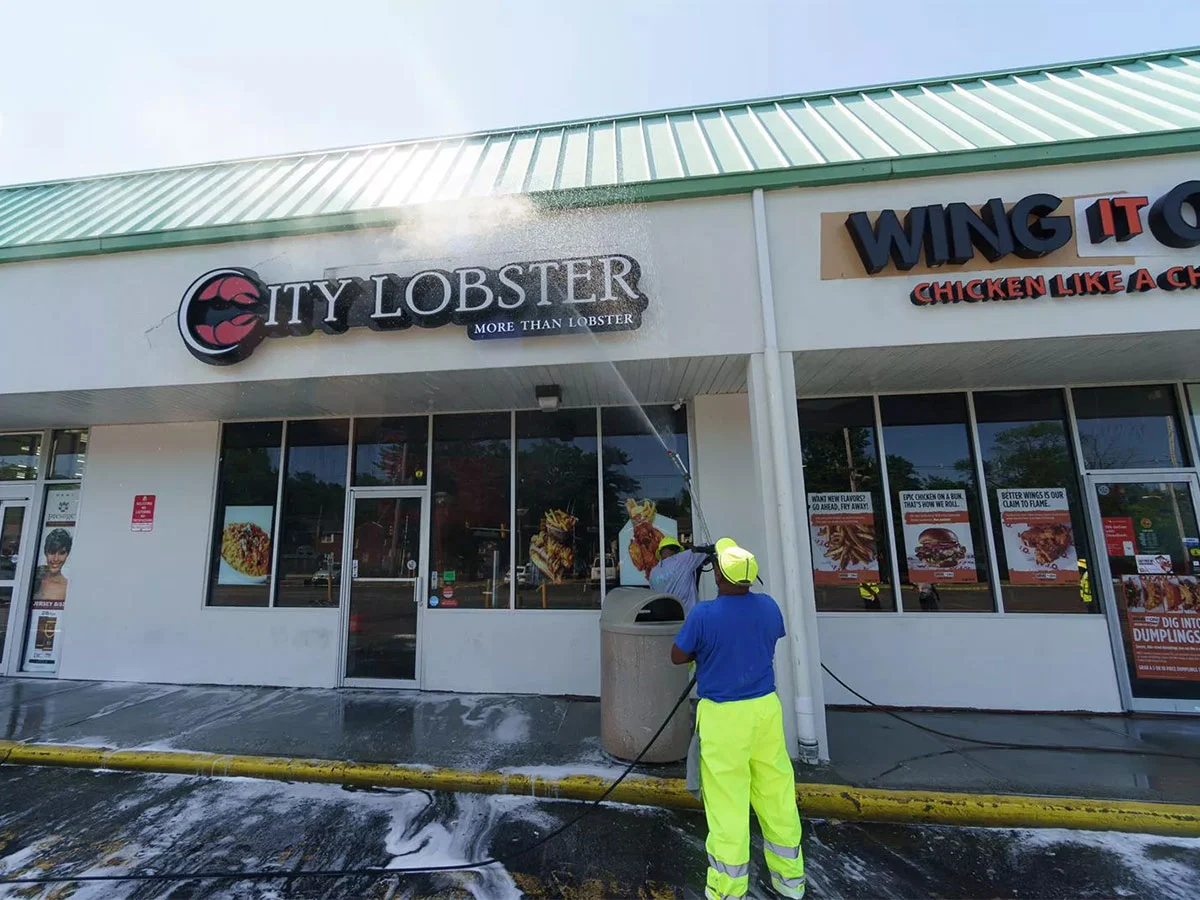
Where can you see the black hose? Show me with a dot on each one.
(373, 871)
(1006, 745)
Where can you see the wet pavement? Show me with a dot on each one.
(555, 735)
(64, 823)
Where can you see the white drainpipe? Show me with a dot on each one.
(784, 506)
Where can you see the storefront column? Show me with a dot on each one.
(777, 465)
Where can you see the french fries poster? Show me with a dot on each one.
(1039, 542)
(842, 529)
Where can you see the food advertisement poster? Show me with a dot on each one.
(1039, 542)
(937, 536)
(1164, 625)
(51, 580)
(841, 527)
(638, 540)
(246, 545)
(1118, 536)
(552, 548)
(1153, 564)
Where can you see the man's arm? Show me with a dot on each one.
(679, 657)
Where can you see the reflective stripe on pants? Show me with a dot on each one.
(744, 763)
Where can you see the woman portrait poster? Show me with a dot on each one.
(51, 582)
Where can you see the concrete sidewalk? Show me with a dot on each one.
(552, 737)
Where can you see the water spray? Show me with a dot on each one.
(705, 536)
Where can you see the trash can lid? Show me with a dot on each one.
(636, 610)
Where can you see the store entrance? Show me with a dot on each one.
(14, 519)
(1149, 573)
(385, 551)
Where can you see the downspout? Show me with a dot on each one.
(785, 507)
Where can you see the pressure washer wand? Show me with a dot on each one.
(705, 536)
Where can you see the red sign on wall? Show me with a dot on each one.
(143, 513)
(1118, 536)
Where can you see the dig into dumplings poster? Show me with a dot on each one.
(937, 536)
(1039, 542)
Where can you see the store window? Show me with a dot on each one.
(645, 496)
(68, 454)
(19, 456)
(847, 517)
(244, 525)
(471, 509)
(308, 568)
(940, 538)
(1134, 427)
(390, 451)
(1033, 497)
(558, 516)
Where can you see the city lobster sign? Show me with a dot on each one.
(226, 313)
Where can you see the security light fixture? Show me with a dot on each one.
(548, 396)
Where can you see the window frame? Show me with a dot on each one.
(511, 607)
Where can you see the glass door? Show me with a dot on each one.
(12, 530)
(385, 552)
(1148, 572)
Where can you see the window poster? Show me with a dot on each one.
(1164, 625)
(1039, 541)
(638, 540)
(51, 580)
(246, 545)
(841, 527)
(937, 536)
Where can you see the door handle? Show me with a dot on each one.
(418, 593)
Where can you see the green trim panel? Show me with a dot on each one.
(1072, 112)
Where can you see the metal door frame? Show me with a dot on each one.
(347, 582)
(20, 495)
(1115, 634)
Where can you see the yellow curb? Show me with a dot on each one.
(830, 801)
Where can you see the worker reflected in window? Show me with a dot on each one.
(1085, 583)
(743, 758)
(928, 597)
(677, 571)
(868, 592)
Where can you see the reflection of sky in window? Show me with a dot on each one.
(1128, 442)
(327, 464)
(932, 449)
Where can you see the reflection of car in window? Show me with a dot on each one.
(522, 576)
(610, 572)
(325, 574)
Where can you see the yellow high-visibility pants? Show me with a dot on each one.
(744, 763)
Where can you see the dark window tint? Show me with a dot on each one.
(558, 516)
(645, 496)
(314, 502)
(1033, 495)
(846, 514)
(19, 456)
(1129, 427)
(935, 504)
(390, 451)
(247, 491)
(69, 453)
(472, 490)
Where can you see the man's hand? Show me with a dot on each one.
(679, 657)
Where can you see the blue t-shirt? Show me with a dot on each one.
(733, 639)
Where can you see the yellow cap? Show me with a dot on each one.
(1083, 563)
(666, 542)
(738, 564)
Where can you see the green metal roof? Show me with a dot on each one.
(1099, 109)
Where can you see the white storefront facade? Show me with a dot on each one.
(373, 492)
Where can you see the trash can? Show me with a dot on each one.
(638, 682)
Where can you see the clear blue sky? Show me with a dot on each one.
(88, 87)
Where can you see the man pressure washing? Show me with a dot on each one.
(676, 572)
(743, 756)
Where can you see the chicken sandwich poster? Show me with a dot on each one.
(937, 536)
(1039, 542)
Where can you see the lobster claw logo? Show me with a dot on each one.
(221, 315)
